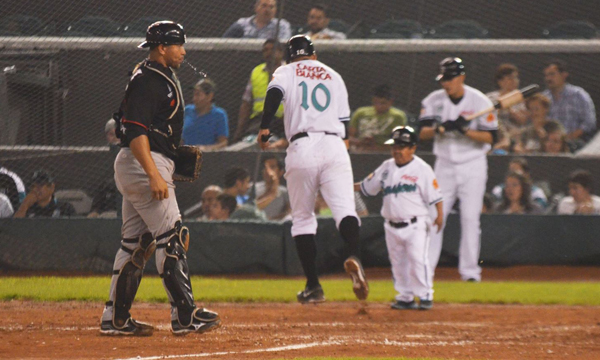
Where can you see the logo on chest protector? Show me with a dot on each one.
(399, 188)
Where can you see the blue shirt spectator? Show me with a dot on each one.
(204, 129)
(262, 25)
(571, 105)
(204, 123)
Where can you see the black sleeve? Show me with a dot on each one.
(346, 126)
(272, 101)
(494, 136)
(140, 107)
(428, 121)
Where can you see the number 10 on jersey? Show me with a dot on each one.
(313, 97)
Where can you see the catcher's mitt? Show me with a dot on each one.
(188, 163)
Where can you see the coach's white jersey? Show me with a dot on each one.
(315, 98)
(453, 146)
(408, 190)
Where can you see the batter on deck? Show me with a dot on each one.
(315, 121)
(409, 187)
(151, 122)
(460, 147)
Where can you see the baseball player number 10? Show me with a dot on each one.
(313, 98)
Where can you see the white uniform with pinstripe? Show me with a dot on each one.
(316, 103)
(408, 192)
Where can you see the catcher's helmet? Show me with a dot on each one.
(299, 45)
(450, 68)
(403, 135)
(165, 33)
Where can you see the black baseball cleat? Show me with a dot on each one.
(311, 296)
(404, 305)
(425, 304)
(359, 281)
(130, 327)
(203, 320)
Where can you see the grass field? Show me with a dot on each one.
(233, 290)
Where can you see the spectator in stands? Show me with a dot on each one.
(107, 199)
(532, 136)
(253, 99)
(204, 123)
(40, 201)
(201, 210)
(489, 203)
(539, 194)
(516, 196)
(12, 186)
(555, 142)
(570, 104)
(261, 25)
(271, 196)
(580, 199)
(237, 184)
(318, 20)
(371, 126)
(515, 117)
(111, 136)
(222, 208)
(6, 208)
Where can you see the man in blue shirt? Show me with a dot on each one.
(204, 123)
(571, 105)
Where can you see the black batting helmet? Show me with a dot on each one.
(450, 68)
(299, 45)
(403, 135)
(165, 33)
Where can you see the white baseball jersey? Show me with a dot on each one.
(453, 146)
(320, 98)
(408, 190)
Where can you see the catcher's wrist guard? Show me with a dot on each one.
(188, 163)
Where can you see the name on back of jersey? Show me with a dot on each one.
(312, 72)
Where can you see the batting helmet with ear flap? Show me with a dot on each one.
(450, 68)
(299, 45)
(165, 33)
(403, 135)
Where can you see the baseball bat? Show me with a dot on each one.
(505, 101)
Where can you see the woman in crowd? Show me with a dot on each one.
(516, 197)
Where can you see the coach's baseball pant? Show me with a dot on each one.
(465, 182)
(313, 163)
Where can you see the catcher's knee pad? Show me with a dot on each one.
(174, 271)
(129, 267)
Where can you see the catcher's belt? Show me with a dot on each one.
(188, 163)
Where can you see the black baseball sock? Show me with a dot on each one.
(307, 251)
(349, 230)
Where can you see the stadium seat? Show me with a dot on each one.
(21, 25)
(571, 29)
(81, 201)
(458, 29)
(138, 27)
(93, 26)
(397, 29)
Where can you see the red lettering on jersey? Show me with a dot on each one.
(410, 178)
(312, 72)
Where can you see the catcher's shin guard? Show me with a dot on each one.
(127, 275)
(173, 269)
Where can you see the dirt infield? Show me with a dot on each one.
(268, 331)
(32, 330)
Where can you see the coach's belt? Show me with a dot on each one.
(400, 225)
(305, 134)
